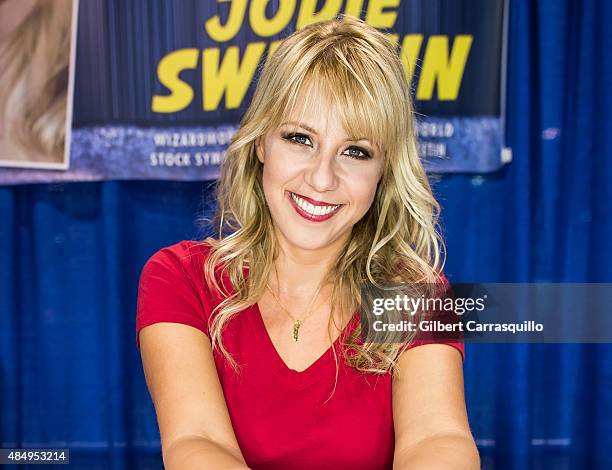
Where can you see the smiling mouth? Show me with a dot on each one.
(312, 210)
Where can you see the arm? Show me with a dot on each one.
(194, 423)
(430, 418)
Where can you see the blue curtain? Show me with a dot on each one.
(70, 375)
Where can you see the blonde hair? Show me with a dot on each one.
(34, 81)
(396, 241)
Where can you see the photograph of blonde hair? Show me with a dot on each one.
(35, 40)
(360, 69)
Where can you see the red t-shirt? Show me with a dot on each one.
(280, 416)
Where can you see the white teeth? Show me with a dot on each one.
(312, 209)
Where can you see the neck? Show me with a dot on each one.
(301, 271)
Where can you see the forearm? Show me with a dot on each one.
(198, 452)
(441, 452)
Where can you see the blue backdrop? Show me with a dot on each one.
(70, 374)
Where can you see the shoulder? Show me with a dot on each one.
(186, 257)
(183, 252)
(175, 269)
(172, 287)
(441, 289)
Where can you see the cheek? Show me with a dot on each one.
(363, 189)
(273, 174)
(275, 178)
(268, 184)
(281, 168)
(365, 199)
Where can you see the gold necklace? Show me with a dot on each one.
(296, 322)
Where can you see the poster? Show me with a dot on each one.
(159, 87)
(37, 45)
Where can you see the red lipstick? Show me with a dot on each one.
(307, 215)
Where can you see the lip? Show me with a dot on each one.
(311, 217)
(314, 202)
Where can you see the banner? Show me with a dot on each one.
(157, 89)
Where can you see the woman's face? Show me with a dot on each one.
(318, 183)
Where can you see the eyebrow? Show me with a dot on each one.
(299, 124)
(310, 129)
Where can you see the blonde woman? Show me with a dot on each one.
(34, 60)
(251, 342)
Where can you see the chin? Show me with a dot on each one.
(306, 241)
(311, 238)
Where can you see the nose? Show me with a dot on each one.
(321, 174)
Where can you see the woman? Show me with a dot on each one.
(34, 62)
(248, 364)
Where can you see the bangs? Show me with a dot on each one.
(358, 91)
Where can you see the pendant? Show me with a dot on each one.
(296, 329)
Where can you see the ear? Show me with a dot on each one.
(259, 149)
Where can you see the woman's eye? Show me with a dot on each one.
(358, 153)
(298, 138)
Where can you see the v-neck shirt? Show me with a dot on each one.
(282, 418)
